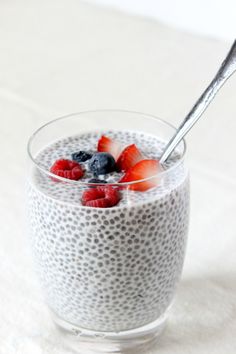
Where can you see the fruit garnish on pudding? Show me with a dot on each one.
(112, 163)
(129, 157)
(81, 156)
(102, 163)
(142, 170)
(113, 147)
(101, 197)
(68, 169)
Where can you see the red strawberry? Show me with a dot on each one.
(142, 170)
(106, 144)
(67, 169)
(101, 197)
(129, 157)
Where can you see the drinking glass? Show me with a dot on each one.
(108, 274)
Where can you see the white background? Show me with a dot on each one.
(62, 56)
(215, 18)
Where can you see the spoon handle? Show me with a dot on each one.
(227, 68)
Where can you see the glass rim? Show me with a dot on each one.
(118, 184)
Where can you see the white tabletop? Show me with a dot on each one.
(59, 56)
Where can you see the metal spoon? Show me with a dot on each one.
(227, 68)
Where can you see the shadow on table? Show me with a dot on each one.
(202, 313)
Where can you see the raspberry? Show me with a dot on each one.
(101, 197)
(98, 203)
(67, 169)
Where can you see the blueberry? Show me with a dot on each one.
(81, 156)
(102, 163)
(96, 180)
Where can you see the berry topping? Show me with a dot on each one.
(106, 144)
(67, 169)
(101, 197)
(97, 180)
(143, 169)
(102, 163)
(129, 157)
(81, 156)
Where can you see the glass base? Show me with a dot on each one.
(134, 341)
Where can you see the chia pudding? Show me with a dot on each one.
(108, 269)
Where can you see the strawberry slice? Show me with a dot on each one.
(129, 157)
(106, 144)
(143, 169)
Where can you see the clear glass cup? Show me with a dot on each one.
(108, 274)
